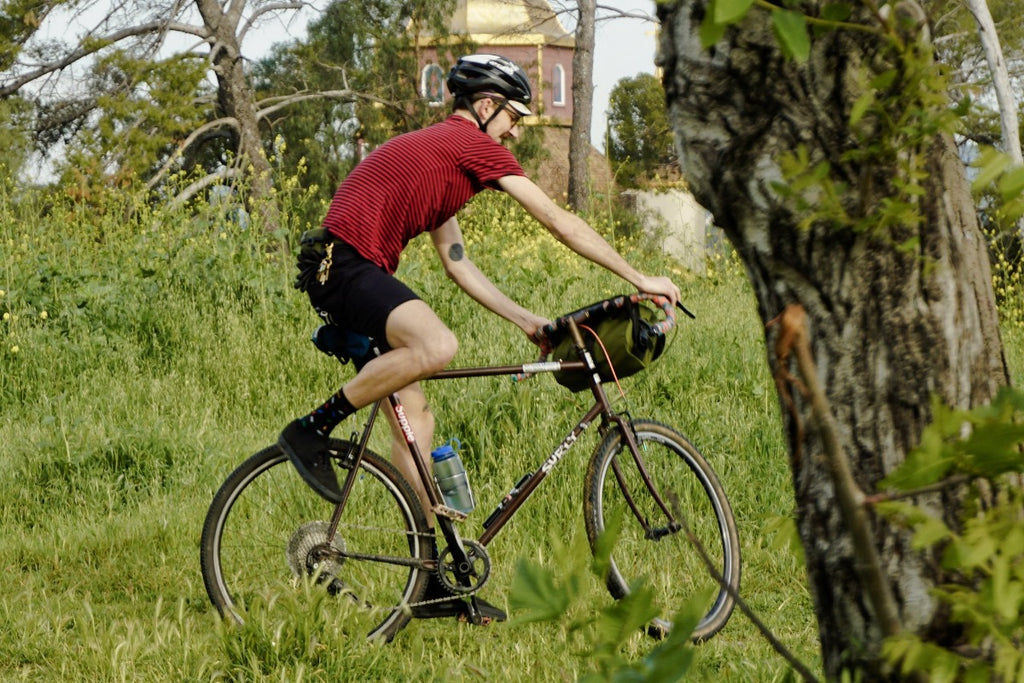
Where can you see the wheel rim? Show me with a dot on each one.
(271, 528)
(671, 568)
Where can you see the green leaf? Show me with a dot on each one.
(925, 465)
(710, 32)
(861, 106)
(993, 449)
(836, 11)
(1012, 183)
(930, 531)
(884, 80)
(534, 594)
(910, 246)
(730, 11)
(791, 30)
(620, 620)
(990, 165)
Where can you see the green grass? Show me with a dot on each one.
(144, 355)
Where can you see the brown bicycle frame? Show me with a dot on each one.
(511, 504)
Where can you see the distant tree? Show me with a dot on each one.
(369, 48)
(51, 70)
(16, 144)
(582, 105)
(640, 139)
(142, 110)
(968, 44)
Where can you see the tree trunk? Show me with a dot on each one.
(237, 101)
(1000, 79)
(889, 328)
(582, 107)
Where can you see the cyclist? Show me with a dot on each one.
(415, 183)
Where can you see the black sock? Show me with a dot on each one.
(330, 414)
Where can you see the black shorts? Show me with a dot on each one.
(358, 295)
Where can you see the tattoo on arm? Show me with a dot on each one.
(456, 252)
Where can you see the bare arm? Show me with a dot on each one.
(575, 233)
(451, 248)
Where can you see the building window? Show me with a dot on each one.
(432, 84)
(558, 86)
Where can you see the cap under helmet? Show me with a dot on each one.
(491, 74)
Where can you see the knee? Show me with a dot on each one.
(438, 351)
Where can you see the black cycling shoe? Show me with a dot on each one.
(308, 451)
(453, 606)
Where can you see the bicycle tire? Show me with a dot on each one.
(265, 524)
(670, 565)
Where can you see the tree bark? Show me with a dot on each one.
(237, 101)
(1008, 120)
(582, 107)
(889, 328)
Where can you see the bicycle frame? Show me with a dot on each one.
(522, 491)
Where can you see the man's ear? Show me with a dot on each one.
(485, 104)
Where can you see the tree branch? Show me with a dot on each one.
(793, 325)
(186, 143)
(97, 44)
(282, 101)
(203, 183)
(272, 7)
(269, 105)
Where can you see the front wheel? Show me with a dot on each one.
(654, 544)
(268, 548)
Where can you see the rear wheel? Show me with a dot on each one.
(267, 546)
(649, 546)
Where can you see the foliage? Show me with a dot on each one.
(14, 153)
(640, 140)
(144, 110)
(986, 546)
(542, 594)
(955, 35)
(19, 20)
(901, 108)
(370, 49)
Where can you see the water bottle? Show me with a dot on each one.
(451, 477)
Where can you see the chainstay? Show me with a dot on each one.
(384, 558)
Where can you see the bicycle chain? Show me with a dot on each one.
(422, 534)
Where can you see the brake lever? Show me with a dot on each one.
(685, 310)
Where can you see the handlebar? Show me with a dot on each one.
(551, 333)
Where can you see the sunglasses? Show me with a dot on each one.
(513, 114)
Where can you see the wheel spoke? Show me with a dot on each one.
(267, 545)
(665, 536)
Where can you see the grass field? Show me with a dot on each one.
(143, 355)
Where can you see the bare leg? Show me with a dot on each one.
(421, 346)
(421, 419)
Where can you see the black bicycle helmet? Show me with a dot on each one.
(484, 73)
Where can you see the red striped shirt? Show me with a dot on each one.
(414, 183)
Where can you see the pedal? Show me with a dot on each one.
(450, 513)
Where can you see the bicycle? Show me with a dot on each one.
(373, 555)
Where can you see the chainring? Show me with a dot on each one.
(479, 572)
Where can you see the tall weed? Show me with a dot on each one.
(145, 352)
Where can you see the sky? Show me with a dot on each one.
(623, 48)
